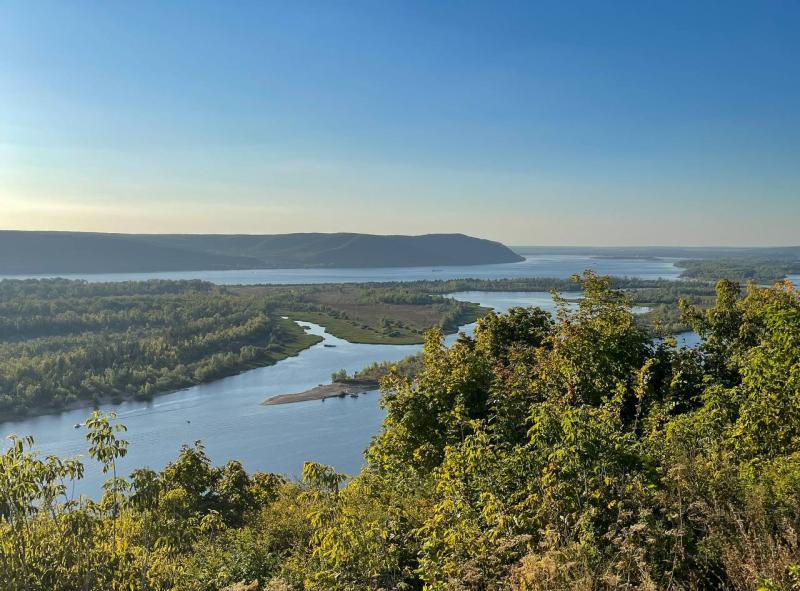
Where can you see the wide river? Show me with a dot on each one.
(226, 414)
(555, 265)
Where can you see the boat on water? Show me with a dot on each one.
(77, 426)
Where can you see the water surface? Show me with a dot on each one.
(540, 265)
(228, 417)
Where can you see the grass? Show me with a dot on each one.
(299, 341)
(355, 331)
(367, 314)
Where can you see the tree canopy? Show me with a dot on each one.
(544, 453)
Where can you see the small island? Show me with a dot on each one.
(336, 389)
(366, 380)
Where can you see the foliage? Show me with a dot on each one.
(408, 366)
(400, 312)
(543, 453)
(339, 375)
(70, 343)
(743, 269)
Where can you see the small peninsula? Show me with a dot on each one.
(337, 389)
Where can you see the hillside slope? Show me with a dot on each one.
(75, 252)
(345, 249)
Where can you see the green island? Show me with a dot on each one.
(545, 453)
(66, 344)
(371, 313)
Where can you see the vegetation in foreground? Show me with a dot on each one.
(542, 454)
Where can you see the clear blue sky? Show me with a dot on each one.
(530, 122)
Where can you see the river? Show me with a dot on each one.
(540, 265)
(227, 417)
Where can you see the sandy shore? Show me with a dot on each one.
(323, 391)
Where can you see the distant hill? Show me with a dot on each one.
(79, 252)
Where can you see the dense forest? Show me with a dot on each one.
(544, 453)
(66, 343)
(760, 270)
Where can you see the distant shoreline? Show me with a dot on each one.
(323, 391)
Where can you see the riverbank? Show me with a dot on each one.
(301, 341)
(333, 390)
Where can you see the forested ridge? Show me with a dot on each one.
(566, 452)
(93, 252)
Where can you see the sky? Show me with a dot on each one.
(563, 123)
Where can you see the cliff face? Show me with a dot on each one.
(77, 252)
